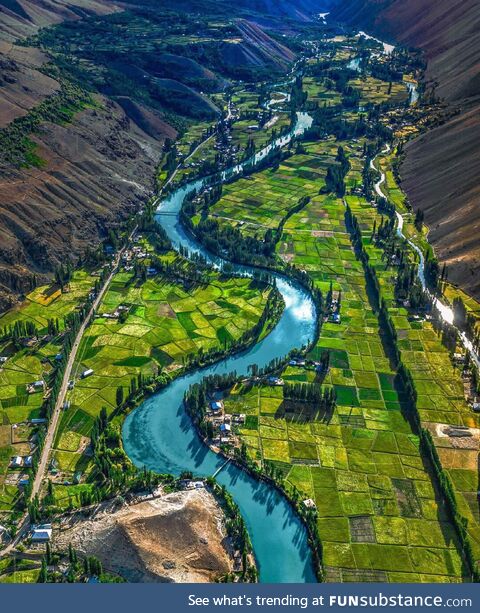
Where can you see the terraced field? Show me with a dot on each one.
(376, 91)
(19, 570)
(441, 397)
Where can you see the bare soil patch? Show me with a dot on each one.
(175, 538)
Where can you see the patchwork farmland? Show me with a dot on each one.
(380, 515)
(33, 359)
(166, 325)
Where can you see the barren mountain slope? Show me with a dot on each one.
(90, 171)
(261, 48)
(442, 168)
(94, 171)
(19, 18)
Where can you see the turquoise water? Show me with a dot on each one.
(159, 433)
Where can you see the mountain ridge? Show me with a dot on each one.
(441, 168)
(97, 168)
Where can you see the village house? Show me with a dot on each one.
(3, 534)
(113, 315)
(17, 462)
(36, 386)
(41, 533)
(216, 407)
(189, 484)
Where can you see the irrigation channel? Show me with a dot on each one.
(159, 433)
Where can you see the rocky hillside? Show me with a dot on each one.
(88, 163)
(178, 537)
(84, 175)
(19, 18)
(440, 174)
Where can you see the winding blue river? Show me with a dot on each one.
(159, 433)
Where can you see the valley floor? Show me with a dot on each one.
(390, 468)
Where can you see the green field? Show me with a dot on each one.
(25, 365)
(363, 468)
(379, 514)
(166, 324)
(260, 202)
(48, 302)
(319, 94)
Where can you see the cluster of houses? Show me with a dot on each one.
(224, 139)
(36, 386)
(137, 252)
(118, 311)
(19, 461)
(222, 422)
(224, 146)
(191, 484)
